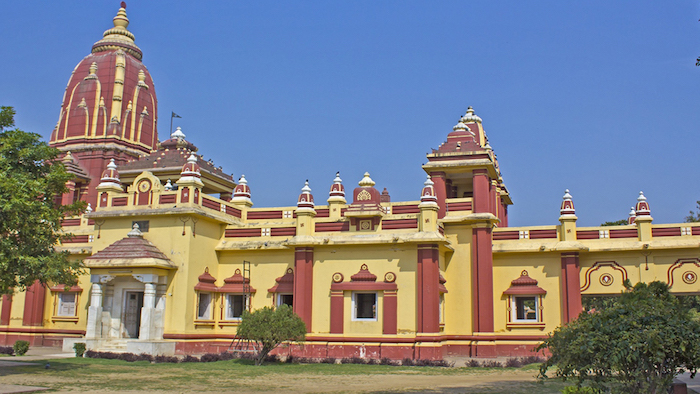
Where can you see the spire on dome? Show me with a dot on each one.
(428, 195)
(241, 193)
(191, 168)
(110, 176)
(337, 188)
(632, 216)
(470, 117)
(178, 133)
(567, 205)
(118, 36)
(366, 181)
(642, 207)
(306, 199)
(135, 232)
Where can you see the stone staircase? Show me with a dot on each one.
(114, 345)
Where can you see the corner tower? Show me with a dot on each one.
(109, 108)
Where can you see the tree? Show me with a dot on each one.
(621, 222)
(638, 344)
(694, 216)
(30, 178)
(270, 327)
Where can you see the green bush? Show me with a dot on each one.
(20, 348)
(79, 349)
(579, 390)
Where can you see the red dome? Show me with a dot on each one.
(110, 96)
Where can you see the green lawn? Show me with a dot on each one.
(94, 375)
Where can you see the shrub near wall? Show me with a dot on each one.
(20, 348)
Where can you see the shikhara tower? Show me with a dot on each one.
(109, 110)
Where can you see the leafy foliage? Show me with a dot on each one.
(621, 222)
(694, 216)
(30, 178)
(79, 349)
(20, 348)
(270, 327)
(638, 344)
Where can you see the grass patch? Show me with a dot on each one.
(83, 374)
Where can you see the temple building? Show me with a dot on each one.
(175, 249)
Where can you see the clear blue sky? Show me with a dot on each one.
(600, 97)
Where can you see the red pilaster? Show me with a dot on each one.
(389, 315)
(69, 195)
(6, 309)
(482, 185)
(440, 192)
(303, 284)
(103, 199)
(34, 305)
(337, 311)
(185, 194)
(570, 286)
(482, 280)
(428, 280)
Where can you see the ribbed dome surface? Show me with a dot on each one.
(110, 96)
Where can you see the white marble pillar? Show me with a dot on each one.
(94, 319)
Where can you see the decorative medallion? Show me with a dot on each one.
(606, 279)
(337, 277)
(144, 186)
(365, 225)
(389, 277)
(689, 277)
(364, 196)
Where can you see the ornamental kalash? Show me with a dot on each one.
(176, 252)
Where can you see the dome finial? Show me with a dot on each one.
(119, 37)
(366, 180)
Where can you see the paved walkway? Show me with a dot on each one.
(693, 384)
(34, 354)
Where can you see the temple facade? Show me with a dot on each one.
(175, 249)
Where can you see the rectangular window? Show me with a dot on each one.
(285, 299)
(525, 308)
(235, 305)
(365, 306)
(66, 304)
(204, 306)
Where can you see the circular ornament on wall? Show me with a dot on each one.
(144, 186)
(364, 225)
(690, 277)
(337, 277)
(389, 277)
(606, 279)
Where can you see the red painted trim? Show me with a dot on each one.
(587, 234)
(542, 234)
(323, 213)
(390, 313)
(505, 235)
(256, 215)
(666, 232)
(440, 192)
(235, 212)
(242, 232)
(482, 280)
(6, 310)
(283, 231)
(459, 206)
(627, 233)
(678, 264)
(612, 264)
(481, 184)
(570, 286)
(167, 199)
(29, 330)
(334, 226)
(303, 284)
(337, 312)
(76, 239)
(211, 204)
(34, 305)
(363, 286)
(428, 281)
(120, 201)
(70, 222)
(404, 209)
(399, 224)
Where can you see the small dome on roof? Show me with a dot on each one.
(306, 199)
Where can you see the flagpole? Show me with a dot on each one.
(171, 122)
